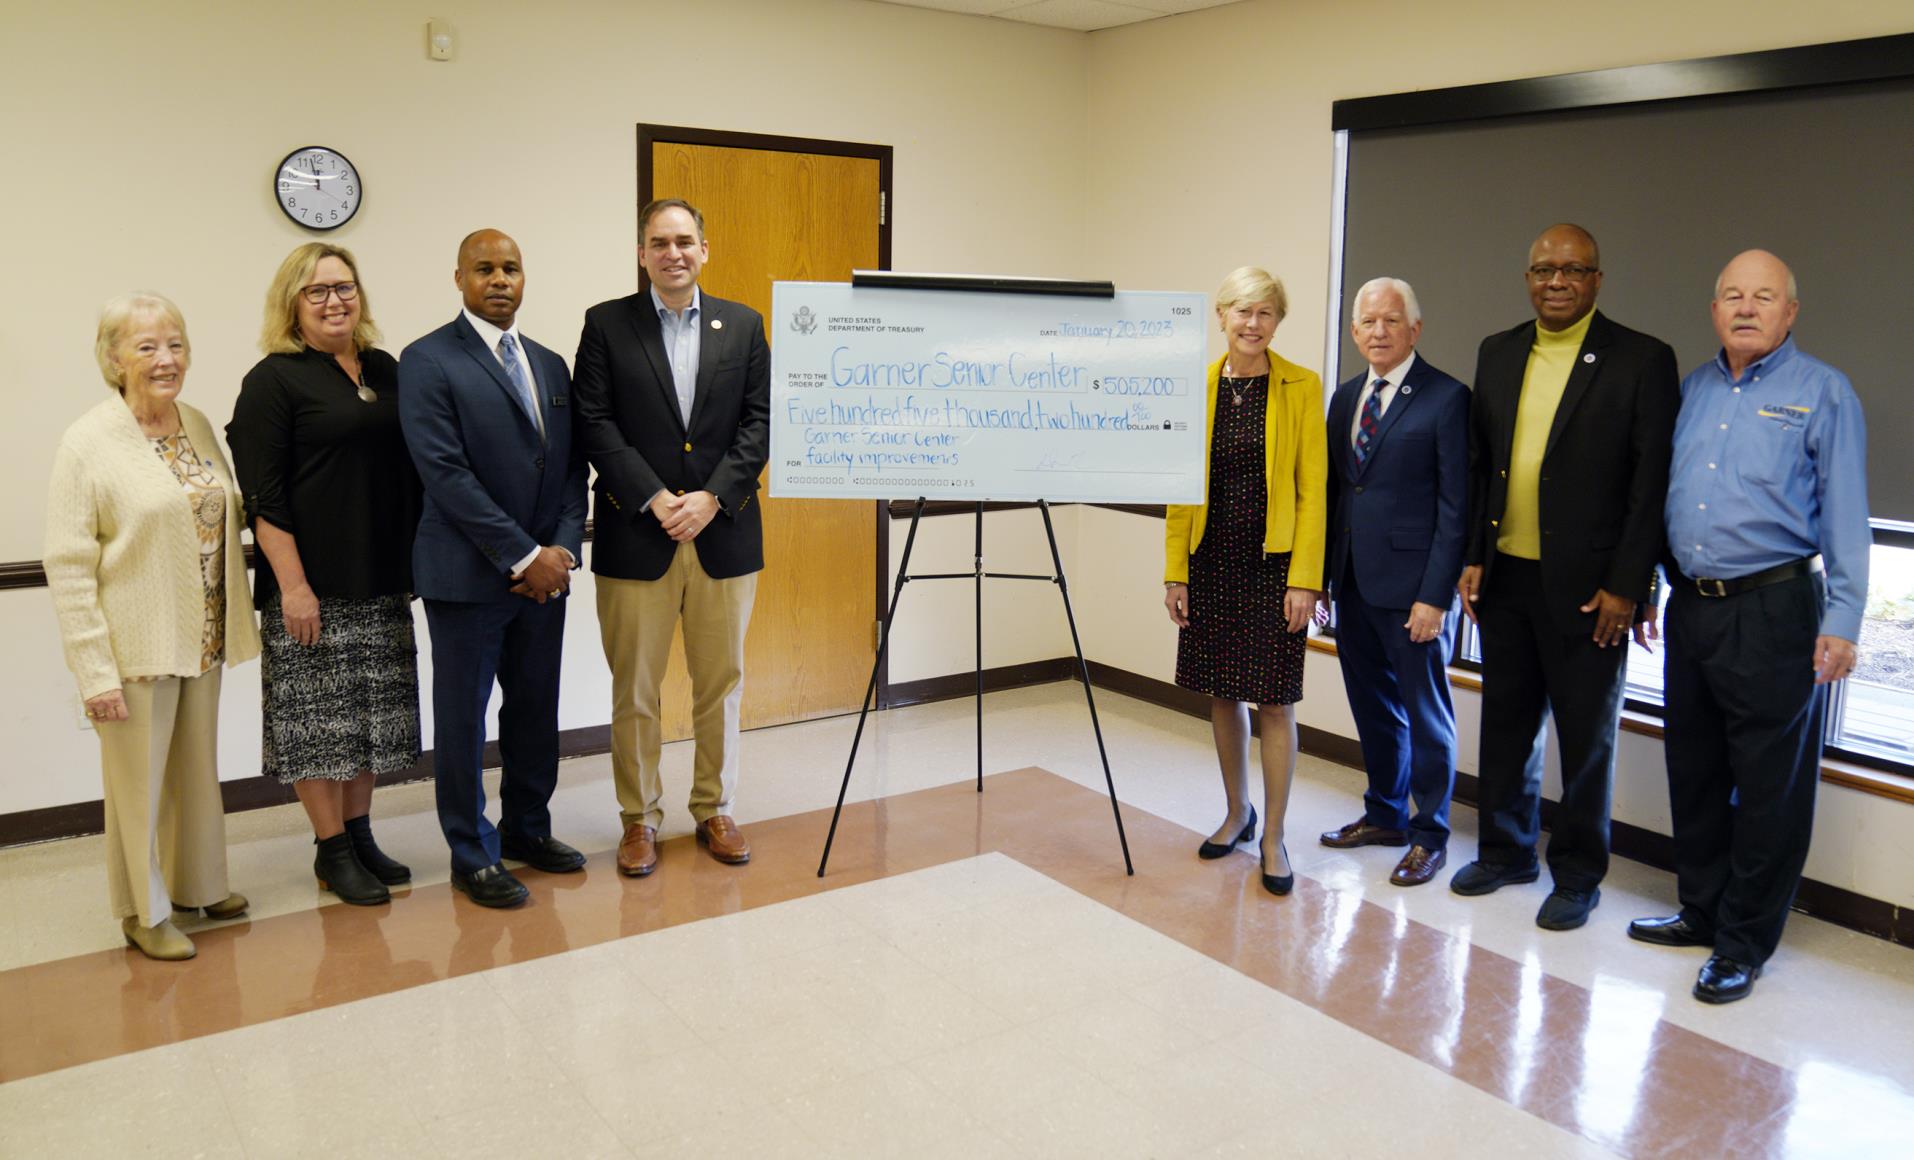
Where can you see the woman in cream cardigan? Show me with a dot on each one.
(144, 563)
(1244, 568)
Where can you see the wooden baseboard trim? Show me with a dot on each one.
(953, 685)
(1870, 916)
(254, 793)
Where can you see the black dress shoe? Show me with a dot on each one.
(1566, 909)
(547, 854)
(1723, 980)
(1673, 931)
(1217, 849)
(1282, 885)
(1487, 877)
(493, 886)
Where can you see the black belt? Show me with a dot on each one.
(1775, 575)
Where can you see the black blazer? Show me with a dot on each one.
(1604, 474)
(633, 434)
(1400, 520)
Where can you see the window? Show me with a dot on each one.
(1871, 714)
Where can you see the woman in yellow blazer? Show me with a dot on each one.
(1244, 568)
(143, 561)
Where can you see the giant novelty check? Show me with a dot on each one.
(882, 393)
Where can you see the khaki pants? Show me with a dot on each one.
(635, 619)
(165, 822)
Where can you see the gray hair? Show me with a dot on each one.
(1373, 285)
(119, 313)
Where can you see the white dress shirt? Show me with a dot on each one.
(1392, 382)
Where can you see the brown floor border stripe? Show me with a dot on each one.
(1525, 1037)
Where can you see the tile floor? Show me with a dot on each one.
(975, 974)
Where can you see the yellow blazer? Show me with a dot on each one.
(1295, 465)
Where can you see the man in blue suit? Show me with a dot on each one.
(1398, 527)
(487, 416)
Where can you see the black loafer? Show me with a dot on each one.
(1487, 877)
(547, 854)
(1723, 980)
(493, 886)
(1566, 909)
(1673, 931)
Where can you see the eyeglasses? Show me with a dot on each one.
(1572, 273)
(317, 295)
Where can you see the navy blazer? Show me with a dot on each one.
(1604, 471)
(1401, 520)
(633, 433)
(495, 489)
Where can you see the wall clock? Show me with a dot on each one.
(318, 188)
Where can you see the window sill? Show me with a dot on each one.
(1847, 774)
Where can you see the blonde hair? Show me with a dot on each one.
(1252, 284)
(280, 334)
(119, 313)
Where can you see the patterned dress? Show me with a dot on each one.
(208, 497)
(1238, 646)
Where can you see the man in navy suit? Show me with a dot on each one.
(1398, 526)
(674, 409)
(488, 420)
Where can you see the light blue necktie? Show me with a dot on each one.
(515, 370)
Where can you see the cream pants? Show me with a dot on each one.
(165, 822)
(635, 622)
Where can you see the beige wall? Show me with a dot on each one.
(1161, 155)
(1211, 130)
(143, 140)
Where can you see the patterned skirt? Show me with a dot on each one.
(347, 704)
(1238, 646)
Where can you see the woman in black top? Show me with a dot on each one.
(333, 501)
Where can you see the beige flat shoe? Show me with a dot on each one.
(232, 906)
(163, 942)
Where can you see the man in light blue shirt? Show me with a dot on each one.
(1768, 544)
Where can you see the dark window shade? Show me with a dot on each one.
(1824, 177)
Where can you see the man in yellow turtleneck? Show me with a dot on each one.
(1570, 431)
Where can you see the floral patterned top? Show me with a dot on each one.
(208, 497)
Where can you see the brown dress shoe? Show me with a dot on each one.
(721, 836)
(1418, 866)
(1361, 833)
(638, 850)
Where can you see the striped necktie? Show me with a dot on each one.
(1371, 419)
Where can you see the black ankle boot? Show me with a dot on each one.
(338, 870)
(371, 857)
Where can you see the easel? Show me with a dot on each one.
(977, 575)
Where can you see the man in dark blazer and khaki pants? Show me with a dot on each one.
(1570, 434)
(674, 402)
(1398, 522)
(488, 421)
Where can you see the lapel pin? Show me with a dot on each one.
(718, 324)
(1587, 358)
(1405, 389)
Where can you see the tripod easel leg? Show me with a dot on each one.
(870, 690)
(1083, 672)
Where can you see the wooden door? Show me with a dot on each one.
(781, 210)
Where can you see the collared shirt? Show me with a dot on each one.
(1772, 468)
(682, 346)
(1551, 362)
(489, 335)
(1392, 382)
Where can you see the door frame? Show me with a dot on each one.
(650, 134)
